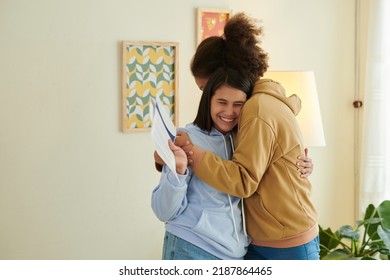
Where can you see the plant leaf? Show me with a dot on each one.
(384, 234)
(368, 258)
(339, 254)
(384, 212)
(349, 233)
(370, 222)
(328, 241)
(370, 210)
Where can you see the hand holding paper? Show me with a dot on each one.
(180, 158)
(163, 130)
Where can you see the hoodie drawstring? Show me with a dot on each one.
(234, 220)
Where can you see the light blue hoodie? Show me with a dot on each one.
(198, 213)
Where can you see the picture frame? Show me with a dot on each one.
(149, 69)
(210, 22)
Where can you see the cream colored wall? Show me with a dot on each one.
(72, 186)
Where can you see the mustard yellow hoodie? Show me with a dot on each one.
(278, 209)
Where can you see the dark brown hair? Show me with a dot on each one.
(238, 48)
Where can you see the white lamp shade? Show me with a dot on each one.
(303, 84)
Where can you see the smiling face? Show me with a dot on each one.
(225, 107)
(224, 94)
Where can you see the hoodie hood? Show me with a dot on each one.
(275, 89)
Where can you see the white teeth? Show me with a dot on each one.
(227, 120)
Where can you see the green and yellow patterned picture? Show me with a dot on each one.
(149, 70)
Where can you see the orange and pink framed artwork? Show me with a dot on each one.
(210, 22)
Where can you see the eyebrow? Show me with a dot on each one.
(235, 102)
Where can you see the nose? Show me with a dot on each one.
(230, 110)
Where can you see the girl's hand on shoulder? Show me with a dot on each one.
(305, 165)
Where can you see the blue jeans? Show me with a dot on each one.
(176, 248)
(308, 251)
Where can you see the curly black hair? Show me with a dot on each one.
(238, 48)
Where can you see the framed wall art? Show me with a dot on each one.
(210, 22)
(149, 69)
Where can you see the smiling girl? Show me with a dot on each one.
(201, 222)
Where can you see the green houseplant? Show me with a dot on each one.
(368, 240)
